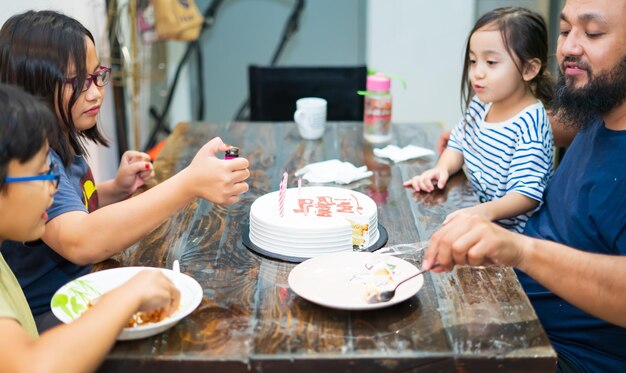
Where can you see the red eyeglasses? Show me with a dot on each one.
(100, 78)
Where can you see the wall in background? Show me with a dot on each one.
(423, 42)
(247, 32)
(540, 6)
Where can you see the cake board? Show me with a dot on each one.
(245, 238)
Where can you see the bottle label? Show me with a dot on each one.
(377, 118)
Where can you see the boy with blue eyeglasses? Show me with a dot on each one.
(28, 182)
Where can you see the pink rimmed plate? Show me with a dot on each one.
(339, 280)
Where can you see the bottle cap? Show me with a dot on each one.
(378, 83)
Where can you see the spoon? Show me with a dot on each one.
(176, 266)
(387, 295)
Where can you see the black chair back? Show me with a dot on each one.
(274, 91)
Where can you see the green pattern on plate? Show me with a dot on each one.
(74, 300)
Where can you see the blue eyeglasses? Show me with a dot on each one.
(52, 176)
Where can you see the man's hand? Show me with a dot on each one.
(478, 210)
(473, 240)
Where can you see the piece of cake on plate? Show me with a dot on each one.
(380, 277)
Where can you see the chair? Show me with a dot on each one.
(274, 91)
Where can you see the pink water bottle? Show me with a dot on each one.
(377, 115)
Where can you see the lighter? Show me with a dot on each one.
(231, 153)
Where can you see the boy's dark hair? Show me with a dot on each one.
(36, 48)
(25, 125)
(525, 37)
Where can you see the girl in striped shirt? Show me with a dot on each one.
(504, 139)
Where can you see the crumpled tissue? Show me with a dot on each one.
(397, 154)
(333, 171)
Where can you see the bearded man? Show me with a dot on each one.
(571, 259)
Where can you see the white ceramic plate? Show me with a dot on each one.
(70, 301)
(339, 280)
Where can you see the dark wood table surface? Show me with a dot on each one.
(472, 319)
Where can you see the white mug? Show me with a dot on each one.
(310, 116)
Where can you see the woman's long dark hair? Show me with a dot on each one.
(36, 48)
(525, 36)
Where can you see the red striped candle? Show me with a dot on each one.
(282, 193)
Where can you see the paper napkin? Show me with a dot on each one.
(397, 154)
(333, 171)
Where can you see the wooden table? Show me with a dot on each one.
(249, 320)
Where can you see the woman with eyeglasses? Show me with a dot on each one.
(54, 57)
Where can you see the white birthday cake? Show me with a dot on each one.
(316, 220)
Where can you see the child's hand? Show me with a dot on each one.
(478, 210)
(424, 182)
(155, 291)
(135, 169)
(217, 180)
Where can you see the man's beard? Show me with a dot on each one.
(577, 107)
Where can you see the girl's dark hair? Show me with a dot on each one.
(25, 124)
(525, 36)
(36, 48)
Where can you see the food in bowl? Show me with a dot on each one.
(145, 317)
(140, 318)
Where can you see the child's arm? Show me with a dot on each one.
(82, 345)
(135, 169)
(509, 206)
(448, 164)
(88, 238)
(442, 143)
(528, 173)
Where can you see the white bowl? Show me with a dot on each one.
(70, 301)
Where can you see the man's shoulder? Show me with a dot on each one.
(592, 125)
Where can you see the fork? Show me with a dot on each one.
(391, 250)
(387, 295)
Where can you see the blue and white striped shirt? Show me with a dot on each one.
(511, 156)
